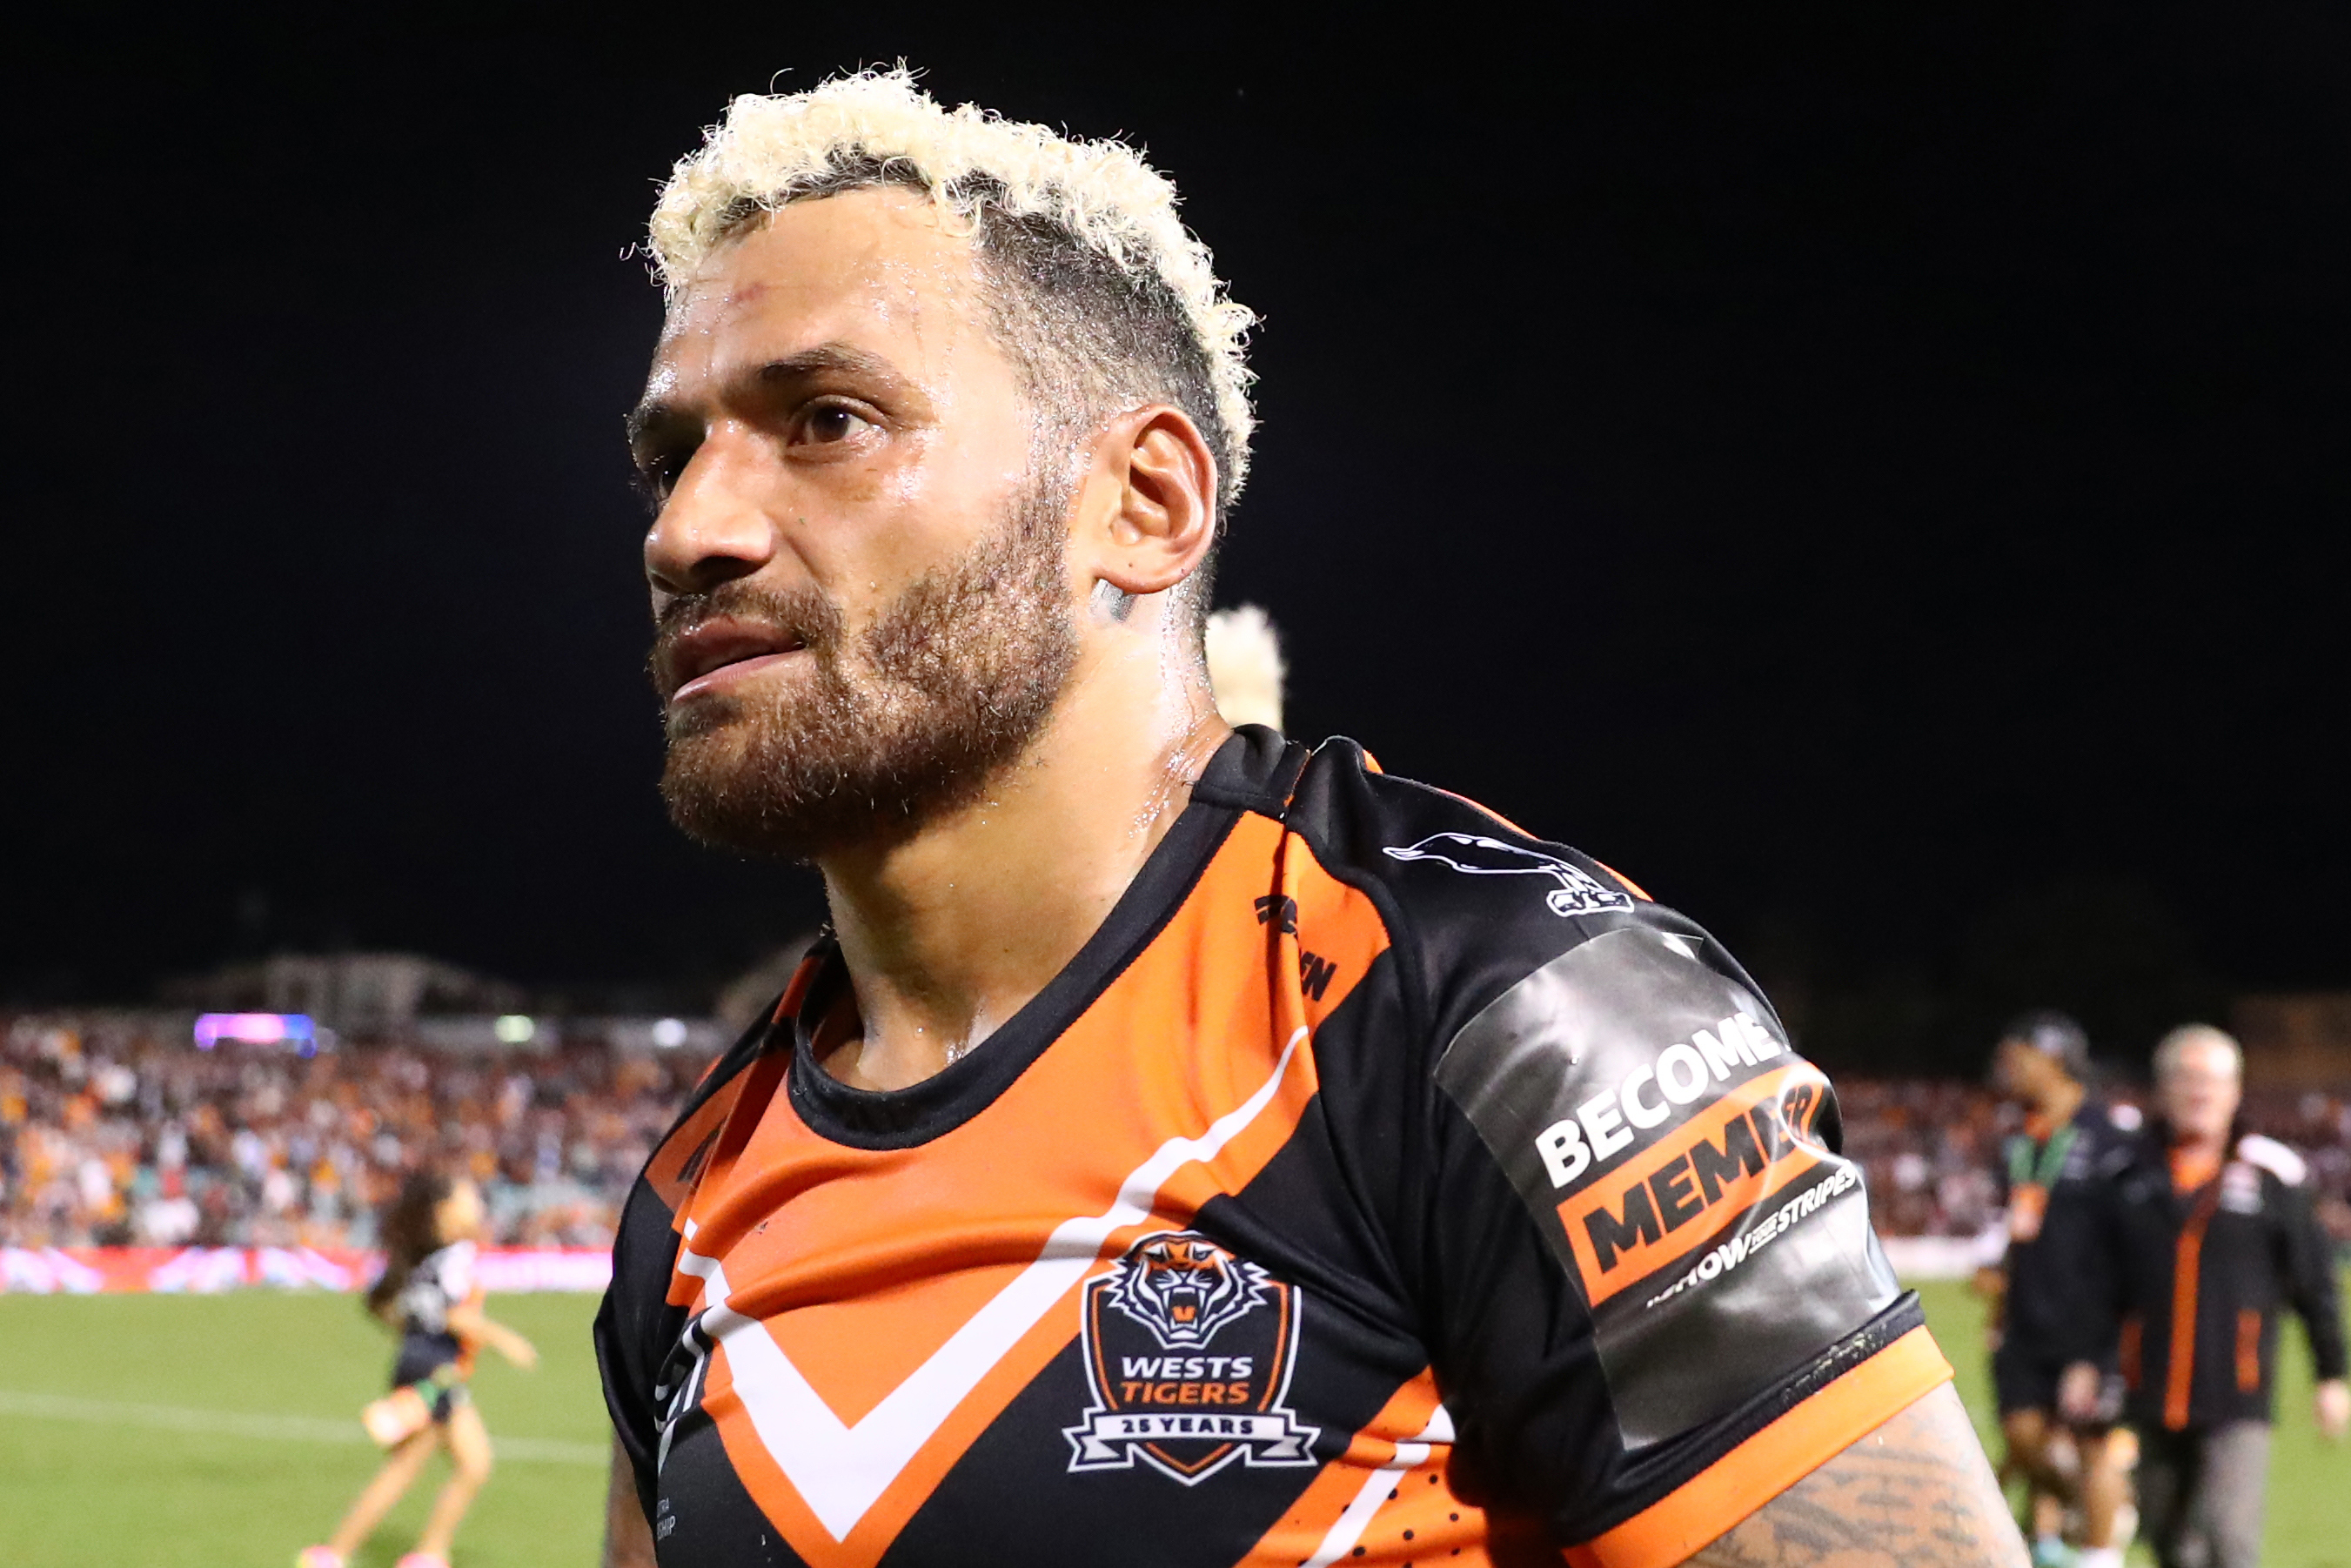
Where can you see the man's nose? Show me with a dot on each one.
(712, 528)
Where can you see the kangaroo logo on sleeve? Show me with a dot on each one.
(1189, 1352)
(1474, 855)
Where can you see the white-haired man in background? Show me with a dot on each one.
(1185, 1146)
(2208, 1237)
(1245, 666)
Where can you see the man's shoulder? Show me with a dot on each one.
(2269, 1154)
(2137, 1169)
(1482, 910)
(2106, 1139)
(2116, 1120)
(674, 1166)
(1345, 797)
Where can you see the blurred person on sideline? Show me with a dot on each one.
(2048, 1172)
(2205, 1234)
(1246, 671)
(1184, 1144)
(428, 1293)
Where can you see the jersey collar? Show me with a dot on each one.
(1255, 770)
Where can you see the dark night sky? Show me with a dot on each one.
(1875, 483)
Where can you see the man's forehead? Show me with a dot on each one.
(875, 268)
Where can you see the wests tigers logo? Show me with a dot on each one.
(1184, 1289)
(1189, 1352)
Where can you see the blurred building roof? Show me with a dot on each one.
(349, 992)
(2300, 1041)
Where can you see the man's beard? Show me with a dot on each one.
(889, 729)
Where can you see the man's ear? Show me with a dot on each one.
(1149, 515)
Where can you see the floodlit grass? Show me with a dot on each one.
(2310, 1479)
(230, 1458)
(81, 1485)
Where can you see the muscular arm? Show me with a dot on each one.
(628, 1540)
(1915, 1493)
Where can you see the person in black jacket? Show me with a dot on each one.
(2205, 1234)
(2049, 1170)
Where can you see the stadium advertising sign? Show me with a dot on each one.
(203, 1271)
(294, 1029)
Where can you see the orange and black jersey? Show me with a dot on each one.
(2196, 1278)
(1374, 1162)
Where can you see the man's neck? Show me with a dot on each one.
(2058, 1106)
(948, 933)
(2191, 1145)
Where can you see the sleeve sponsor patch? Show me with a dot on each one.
(1714, 1169)
(1666, 1140)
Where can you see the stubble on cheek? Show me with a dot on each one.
(888, 730)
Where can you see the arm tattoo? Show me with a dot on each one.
(1915, 1493)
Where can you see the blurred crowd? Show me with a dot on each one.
(121, 1133)
(1930, 1148)
(118, 1132)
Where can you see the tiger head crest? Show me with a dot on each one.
(1183, 1288)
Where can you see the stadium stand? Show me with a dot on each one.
(115, 1131)
(1928, 1147)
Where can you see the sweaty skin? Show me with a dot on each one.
(1916, 1492)
(828, 408)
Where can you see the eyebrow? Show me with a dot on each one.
(834, 356)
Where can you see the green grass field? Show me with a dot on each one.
(179, 1481)
(2310, 1479)
(220, 1431)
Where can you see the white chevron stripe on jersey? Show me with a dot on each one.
(840, 1470)
(1357, 1515)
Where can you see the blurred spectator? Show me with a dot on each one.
(1929, 1146)
(116, 1134)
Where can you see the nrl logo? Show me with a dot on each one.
(1189, 1352)
(1474, 855)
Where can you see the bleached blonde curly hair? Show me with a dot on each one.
(1099, 290)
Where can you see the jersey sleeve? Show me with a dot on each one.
(1661, 1300)
(457, 1272)
(638, 1329)
(632, 1324)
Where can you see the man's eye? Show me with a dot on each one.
(658, 476)
(831, 421)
